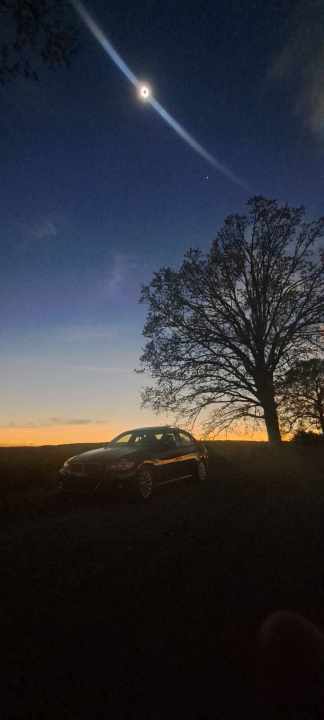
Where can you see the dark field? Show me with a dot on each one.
(111, 609)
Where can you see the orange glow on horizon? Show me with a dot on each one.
(58, 434)
(91, 433)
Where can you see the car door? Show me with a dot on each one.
(187, 458)
(166, 456)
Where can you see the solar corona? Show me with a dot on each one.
(145, 95)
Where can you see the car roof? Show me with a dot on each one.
(150, 428)
(153, 428)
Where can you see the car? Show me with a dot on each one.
(138, 461)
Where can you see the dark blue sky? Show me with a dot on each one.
(97, 192)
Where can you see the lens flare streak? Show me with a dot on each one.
(117, 59)
(104, 42)
(196, 145)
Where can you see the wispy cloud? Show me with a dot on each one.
(44, 229)
(85, 333)
(51, 422)
(99, 369)
(300, 64)
(37, 231)
(124, 273)
(120, 275)
(69, 421)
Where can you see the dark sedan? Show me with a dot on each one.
(138, 461)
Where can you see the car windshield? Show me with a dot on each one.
(124, 439)
(139, 438)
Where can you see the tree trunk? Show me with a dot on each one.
(267, 400)
(322, 421)
(320, 408)
(271, 421)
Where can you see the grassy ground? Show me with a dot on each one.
(26, 472)
(110, 609)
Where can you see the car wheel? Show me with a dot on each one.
(201, 471)
(144, 483)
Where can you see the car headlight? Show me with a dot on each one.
(123, 465)
(67, 462)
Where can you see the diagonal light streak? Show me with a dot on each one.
(179, 129)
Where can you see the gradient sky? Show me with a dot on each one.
(97, 192)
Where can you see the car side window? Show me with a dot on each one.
(123, 439)
(142, 439)
(184, 439)
(168, 440)
(158, 436)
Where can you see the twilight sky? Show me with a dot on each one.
(97, 192)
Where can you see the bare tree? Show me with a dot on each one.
(224, 328)
(302, 402)
(34, 32)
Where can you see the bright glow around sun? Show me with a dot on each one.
(144, 92)
(145, 95)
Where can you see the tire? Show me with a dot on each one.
(144, 484)
(201, 472)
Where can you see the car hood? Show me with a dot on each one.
(104, 455)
